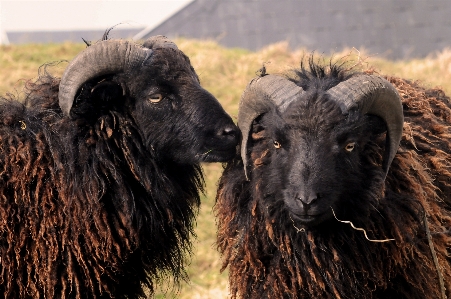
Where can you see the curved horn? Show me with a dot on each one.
(259, 97)
(371, 94)
(105, 57)
(102, 58)
(159, 41)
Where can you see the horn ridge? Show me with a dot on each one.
(159, 41)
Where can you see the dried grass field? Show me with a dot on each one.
(225, 73)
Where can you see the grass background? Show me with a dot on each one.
(225, 73)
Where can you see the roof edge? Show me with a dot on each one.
(149, 29)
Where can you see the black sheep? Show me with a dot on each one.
(100, 174)
(323, 204)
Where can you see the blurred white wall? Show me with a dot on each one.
(3, 37)
(41, 15)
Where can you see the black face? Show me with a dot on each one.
(178, 119)
(310, 156)
(186, 124)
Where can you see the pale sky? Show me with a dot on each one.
(44, 15)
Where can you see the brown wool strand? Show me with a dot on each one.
(58, 238)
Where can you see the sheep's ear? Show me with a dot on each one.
(107, 92)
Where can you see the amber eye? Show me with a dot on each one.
(155, 98)
(350, 146)
(277, 144)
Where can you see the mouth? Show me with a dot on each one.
(308, 219)
(221, 148)
(217, 155)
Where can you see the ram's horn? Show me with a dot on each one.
(260, 96)
(102, 58)
(374, 95)
(159, 41)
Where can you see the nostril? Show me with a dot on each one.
(308, 200)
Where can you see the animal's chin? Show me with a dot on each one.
(220, 149)
(215, 155)
(218, 152)
(309, 219)
(204, 154)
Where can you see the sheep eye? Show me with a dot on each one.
(155, 98)
(350, 146)
(277, 144)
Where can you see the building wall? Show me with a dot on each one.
(391, 28)
(21, 37)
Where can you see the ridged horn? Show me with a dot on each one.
(371, 94)
(260, 96)
(102, 58)
(159, 41)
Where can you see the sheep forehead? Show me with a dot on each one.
(172, 68)
(313, 115)
(173, 63)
